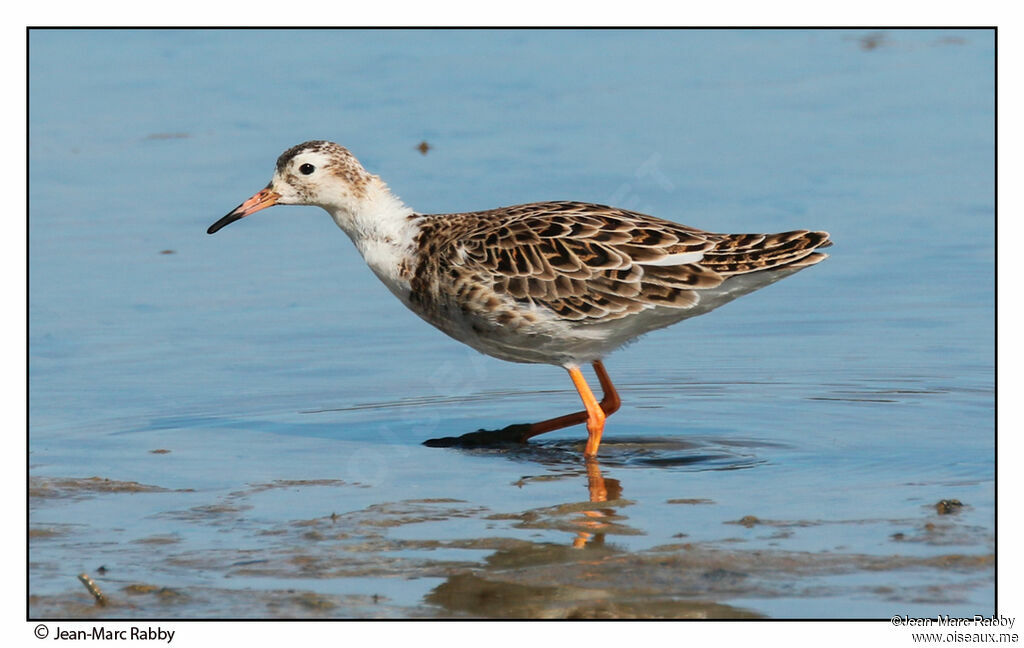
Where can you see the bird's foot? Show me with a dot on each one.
(512, 435)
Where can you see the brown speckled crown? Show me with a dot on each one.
(317, 146)
(342, 163)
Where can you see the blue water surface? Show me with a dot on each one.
(850, 397)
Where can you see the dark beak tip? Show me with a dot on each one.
(224, 222)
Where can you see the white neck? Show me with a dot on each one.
(379, 225)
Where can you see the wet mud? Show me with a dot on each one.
(363, 563)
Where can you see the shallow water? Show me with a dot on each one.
(231, 426)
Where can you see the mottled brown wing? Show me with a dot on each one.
(588, 262)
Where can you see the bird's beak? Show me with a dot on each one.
(262, 200)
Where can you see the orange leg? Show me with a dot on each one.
(609, 404)
(610, 398)
(594, 416)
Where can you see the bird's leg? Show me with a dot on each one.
(609, 403)
(519, 433)
(595, 415)
(609, 398)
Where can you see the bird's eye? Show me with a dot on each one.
(307, 168)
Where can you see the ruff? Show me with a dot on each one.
(561, 283)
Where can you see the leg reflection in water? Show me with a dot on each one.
(600, 490)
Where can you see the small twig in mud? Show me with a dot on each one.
(93, 588)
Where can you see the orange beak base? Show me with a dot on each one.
(262, 200)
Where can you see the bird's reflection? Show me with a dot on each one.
(595, 520)
(590, 524)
